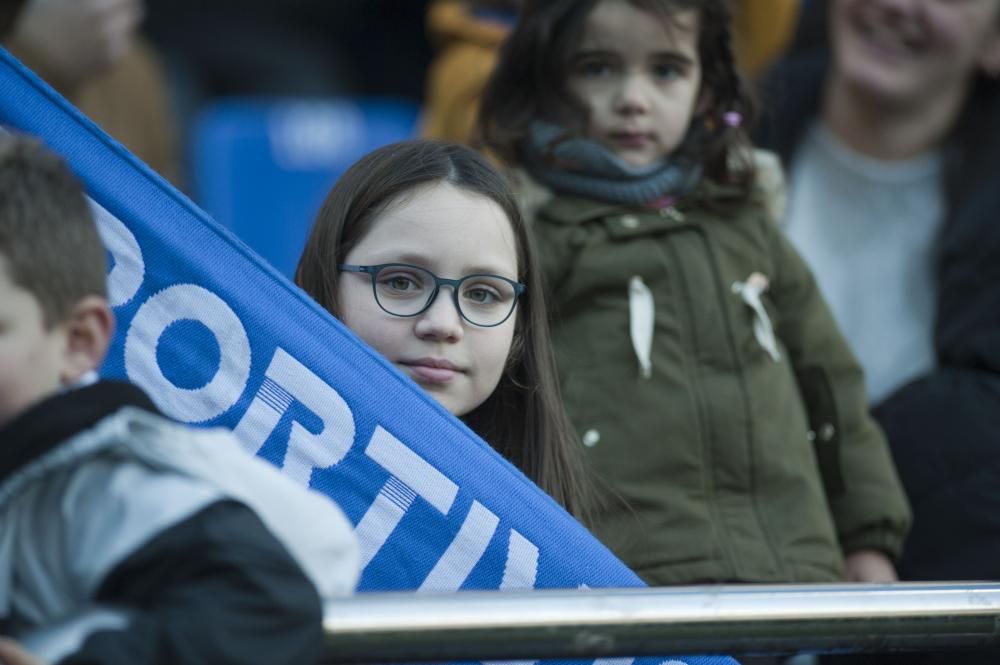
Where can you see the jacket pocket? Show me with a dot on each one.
(821, 408)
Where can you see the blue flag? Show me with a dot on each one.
(217, 337)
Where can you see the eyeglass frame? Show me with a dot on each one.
(373, 270)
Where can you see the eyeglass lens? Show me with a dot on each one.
(484, 300)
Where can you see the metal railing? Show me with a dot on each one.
(395, 627)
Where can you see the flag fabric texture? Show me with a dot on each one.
(219, 338)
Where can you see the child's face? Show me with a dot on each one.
(639, 78)
(907, 51)
(31, 357)
(452, 233)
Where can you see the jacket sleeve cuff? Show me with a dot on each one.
(882, 539)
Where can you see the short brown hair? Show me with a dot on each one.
(524, 418)
(48, 237)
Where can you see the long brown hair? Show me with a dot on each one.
(523, 419)
(529, 83)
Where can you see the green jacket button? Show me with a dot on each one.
(672, 214)
(630, 221)
(826, 432)
(591, 437)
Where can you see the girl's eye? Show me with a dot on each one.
(399, 283)
(487, 293)
(481, 296)
(594, 68)
(666, 71)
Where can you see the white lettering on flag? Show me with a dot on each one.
(413, 470)
(410, 472)
(464, 552)
(128, 271)
(286, 381)
(381, 519)
(178, 303)
(521, 567)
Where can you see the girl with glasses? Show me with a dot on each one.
(420, 249)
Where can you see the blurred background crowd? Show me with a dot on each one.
(147, 70)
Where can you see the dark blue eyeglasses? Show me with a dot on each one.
(402, 289)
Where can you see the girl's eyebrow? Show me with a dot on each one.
(675, 56)
(425, 262)
(399, 256)
(595, 53)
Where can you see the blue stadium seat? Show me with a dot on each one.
(262, 167)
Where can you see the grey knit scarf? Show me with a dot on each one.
(587, 168)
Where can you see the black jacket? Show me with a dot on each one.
(97, 521)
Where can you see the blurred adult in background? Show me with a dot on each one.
(468, 35)
(889, 135)
(90, 51)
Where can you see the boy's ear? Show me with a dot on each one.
(89, 328)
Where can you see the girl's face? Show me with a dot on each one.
(452, 233)
(639, 78)
(904, 51)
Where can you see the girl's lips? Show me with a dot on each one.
(431, 371)
(631, 139)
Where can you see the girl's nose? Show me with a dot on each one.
(901, 8)
(633, 95)
(904, 4)
(441, 321)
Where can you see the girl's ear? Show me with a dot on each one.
(89, 328)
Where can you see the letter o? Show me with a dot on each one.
(177, 303)
(126, 276)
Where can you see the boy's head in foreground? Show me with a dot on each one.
(55, 323)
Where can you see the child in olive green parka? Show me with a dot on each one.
(706, 379)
